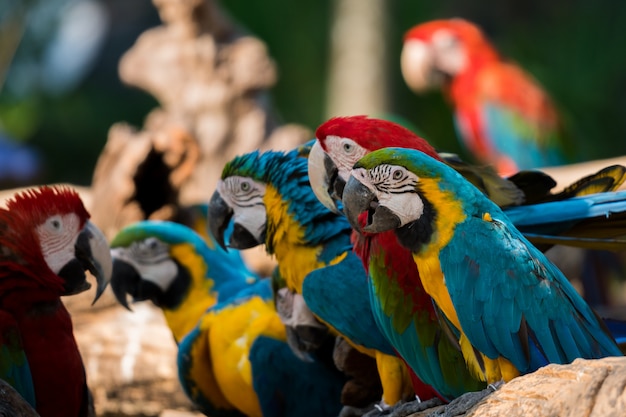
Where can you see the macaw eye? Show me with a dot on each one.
(55, 224)
(397, 174)
(245, 187)
(152, 244)
(348, 147)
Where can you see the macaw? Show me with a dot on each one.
(403, 311)
(502, 114)
(342, 141)
(513, 309)
(269, 199)
(232, 355)
(46, 244)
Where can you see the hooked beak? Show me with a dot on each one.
(417, 64)
(125, 280)
(325, 181)
(92, 253)
(220, 215)
(363, 210)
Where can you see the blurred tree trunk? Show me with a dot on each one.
(359, 60)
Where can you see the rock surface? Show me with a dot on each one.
(585, 388)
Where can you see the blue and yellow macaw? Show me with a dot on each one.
(232, 355)
(513, 310)
(269, 199)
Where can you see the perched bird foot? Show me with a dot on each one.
(461, 405)
(403, 409)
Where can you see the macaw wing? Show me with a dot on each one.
(280, 379)
(520, 139)
(595, 221)
(518, 118)
(14, 368)
(338, 295)
(512, 302)
(196, 375)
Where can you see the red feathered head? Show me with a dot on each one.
(437, 51)
(46, 241)
(342, 141)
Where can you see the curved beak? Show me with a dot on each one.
(417, 64)
(125, 280)
(93, 254)
(220, 214)
(363, 210)
(325, 181)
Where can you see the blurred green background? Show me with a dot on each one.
(60, 103)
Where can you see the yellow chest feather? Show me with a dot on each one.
(200, 297)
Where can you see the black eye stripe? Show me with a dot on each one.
(382, 177)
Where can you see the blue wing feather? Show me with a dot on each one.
(14, 368)
(342, 303)
(530, 287)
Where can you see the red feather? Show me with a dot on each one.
(29, 293)
(21, 253)
(373, 134)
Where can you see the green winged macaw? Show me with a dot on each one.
(232, 355)
(46, 244)
(513, 309)
(269, 199)
(503, 116)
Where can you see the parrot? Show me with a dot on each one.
(232, 356)
(513, 309)
(502, 115)
(342, 141)
(269, 198)
(47, 242)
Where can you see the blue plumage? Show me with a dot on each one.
(508, 298)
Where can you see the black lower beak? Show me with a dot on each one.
(241, 238)
(125, 281)
(220, 214)
(363, 211)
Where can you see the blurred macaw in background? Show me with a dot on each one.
(46, 244)
(515, 310)
(269, 199)
(503, 116)
(232, 357)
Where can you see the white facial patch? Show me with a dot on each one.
(450, 56)
(151, 260)
(57, 237)
(395, 188)
(245, 197)
(344, 152)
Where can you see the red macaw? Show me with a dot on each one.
(46, 245)
(503, 116)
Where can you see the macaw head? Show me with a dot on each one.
(46, 237)
(437, 51)
(403, 190)
(256, 191)
(342, 141)
(162, 261)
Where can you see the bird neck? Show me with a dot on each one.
(201, 295)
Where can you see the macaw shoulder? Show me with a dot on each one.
(506, 85)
